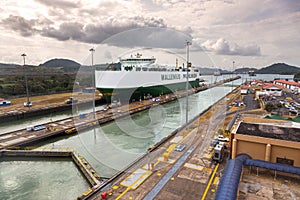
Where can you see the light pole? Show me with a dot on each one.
(26, 82)
(232, 74)
(92, 50)
(187, 81)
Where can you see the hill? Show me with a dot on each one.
(279, 68)
(244, 70)
(60, 62)
(8, 65)
(210, 71)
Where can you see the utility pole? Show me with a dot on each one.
(92, 50)
(187, 81)
(232, 73)
(26, 81)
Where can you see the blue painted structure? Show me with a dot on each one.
(230, 181)
(229, 184)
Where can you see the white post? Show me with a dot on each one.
(187, 81)
(26, 81)
(92, 50)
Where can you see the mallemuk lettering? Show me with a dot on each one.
(170, 76)
(190, 75)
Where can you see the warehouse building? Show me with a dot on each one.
(268, 142)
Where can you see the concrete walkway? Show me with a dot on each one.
(158, 187)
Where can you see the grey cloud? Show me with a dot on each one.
(150, 22)
(167, 2)
(24, 26)
(248, 50)
(90, 33)
(60, 3)
(150, 37)
(66, 31)
(136, 31)
(108, 55)
(223, 47)
(98, 33)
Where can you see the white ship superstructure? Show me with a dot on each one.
(137, 77)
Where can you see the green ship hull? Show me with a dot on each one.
(136, 94)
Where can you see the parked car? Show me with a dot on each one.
(114, 104)
(222, 138)
(288, 106)
(71, 100)
(35, 128)
(180, 147)
(214, 142)
(294, 111)
(105, 108)
(27, 104)
(288, 99)
(156, 99)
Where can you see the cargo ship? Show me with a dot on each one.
(138, 78)
(251, 73)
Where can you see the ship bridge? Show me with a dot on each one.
(136, 62)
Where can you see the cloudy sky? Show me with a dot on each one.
(252, 33)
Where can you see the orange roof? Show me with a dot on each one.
(272, 85)
(287, 82)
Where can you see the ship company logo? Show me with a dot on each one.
(170, 76)
(177, 76)
(144, 122)
(193, 75)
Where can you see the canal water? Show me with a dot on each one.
(108, 148)
(37, 179)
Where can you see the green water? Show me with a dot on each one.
(40, 180)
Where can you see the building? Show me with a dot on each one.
(244, 89)
(268, 142)
(292, 85)
(270, 89)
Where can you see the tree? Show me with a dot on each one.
(227, 132)
(270, 107)
(19, 87)
(279, 108)
(220, 131)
